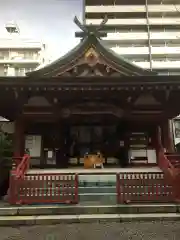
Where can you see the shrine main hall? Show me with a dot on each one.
(87, 101)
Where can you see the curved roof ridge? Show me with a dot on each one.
(112, 59)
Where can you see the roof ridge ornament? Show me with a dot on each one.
(90, 29)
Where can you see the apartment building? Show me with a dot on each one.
(19, 55)
(146, 32)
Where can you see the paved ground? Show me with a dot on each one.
(95, 231)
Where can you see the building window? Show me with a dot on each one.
(177, 128)
(29, 70)
(30, 55)
(4, 55)
(20, 72)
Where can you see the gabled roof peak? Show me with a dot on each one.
(90, 30)
(90, 58)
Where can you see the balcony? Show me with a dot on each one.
(159, 64)
(17, 43)
(141, 21)
(19, 60)
(131, 8)
(145, 50)
(120, 36)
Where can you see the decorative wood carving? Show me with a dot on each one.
(146, 99)
(91, 57)
(161, 96)
(91, 63)
(90, 66)
(38, 101)
(92, 108)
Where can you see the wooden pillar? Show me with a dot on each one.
(158, 138)
(43, 156)
(19, 137)
(61, 152)
(168, 136)
(158, 142)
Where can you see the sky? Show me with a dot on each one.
(49, 21)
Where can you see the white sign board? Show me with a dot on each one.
(33, 144)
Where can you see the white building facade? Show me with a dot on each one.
(146, 32)
(19, 55)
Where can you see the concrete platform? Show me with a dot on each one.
(96, 171)
(85, 218)
(80, 209)
(146, 230)
(55, 214)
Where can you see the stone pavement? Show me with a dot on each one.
(95, 231)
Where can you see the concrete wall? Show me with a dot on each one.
(2, 70)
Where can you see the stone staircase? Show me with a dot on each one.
(55, 214)
(97, 188)
(102, 188)
(97, 195)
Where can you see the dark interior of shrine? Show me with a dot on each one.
(67, 140)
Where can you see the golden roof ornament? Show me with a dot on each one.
(91, 52)
(91, 57)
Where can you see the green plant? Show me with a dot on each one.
(6, 151)
(6, 146)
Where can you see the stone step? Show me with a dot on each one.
(97, 189)
(96, 184)
(85, 218)
(103, 198)
(36, 210)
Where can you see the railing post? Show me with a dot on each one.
(76, 188)
(12, 189)
(118, 187)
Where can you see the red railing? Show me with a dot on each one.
(19, 169)
(163, 161)
(21, 166)
(143, 187)
(44, 188)
(174, 159)
(169, 163)
(16, 161)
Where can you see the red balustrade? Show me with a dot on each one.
(174, 159)
(16, 161)
(22, 166)
(163, 161)
(44, 188)
(143, 187)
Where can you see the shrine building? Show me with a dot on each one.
(90, 100)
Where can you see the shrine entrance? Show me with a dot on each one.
(122, 143)
(89, 135)
(64, 144)
(90, 139)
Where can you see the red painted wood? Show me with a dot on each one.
(12, 190)
(118, 189)
(44, 188)
(19, 137)
(22, 165)
(174, 159)
(143, 187)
